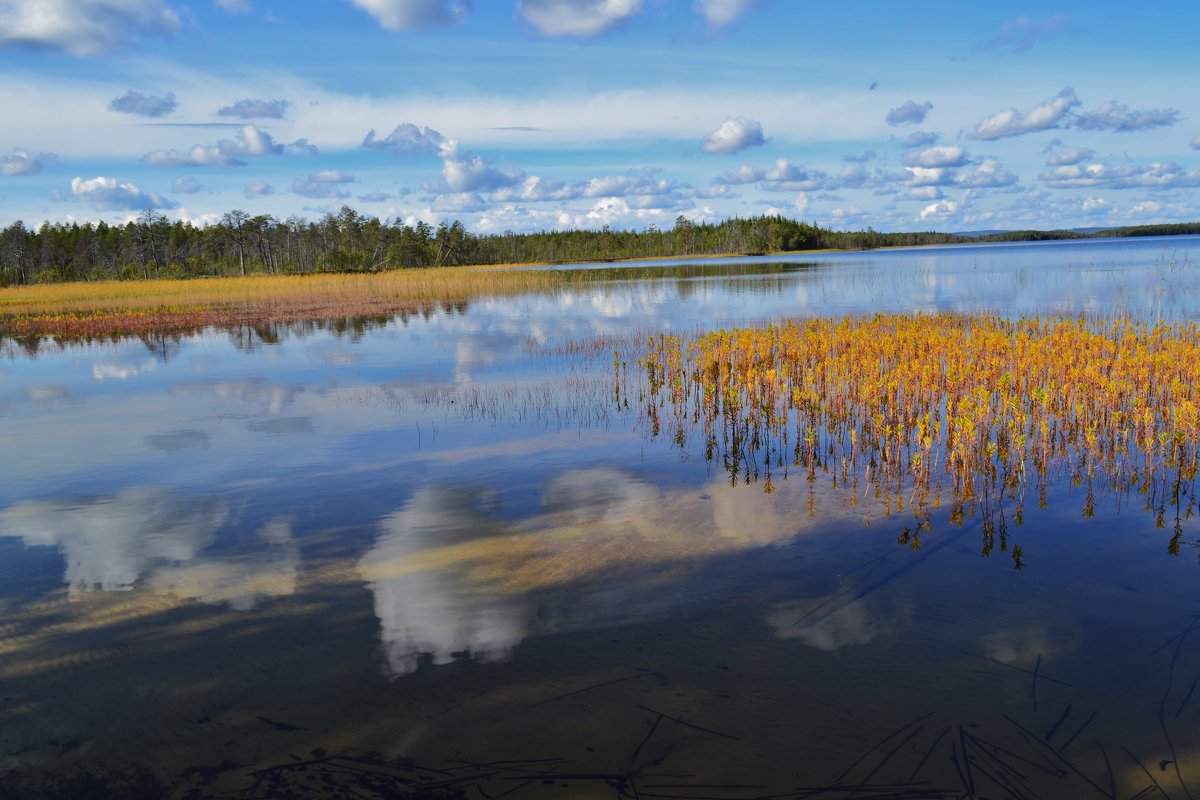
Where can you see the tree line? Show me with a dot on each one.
(153, 246)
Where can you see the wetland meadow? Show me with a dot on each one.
(911, 523)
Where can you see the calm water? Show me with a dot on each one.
(432, 558)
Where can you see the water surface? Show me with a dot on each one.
(433, 556)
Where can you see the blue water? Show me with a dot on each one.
(439, 551)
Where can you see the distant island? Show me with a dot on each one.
(153, 246)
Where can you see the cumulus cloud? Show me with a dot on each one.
(144, 105)
(405, 139)
(83, 27)
(467, 172)
(256, 109)
(1021, 33)
(910, 113)
(988, 175)
(580, 18)
(743, 174)
(257, 189)
(930, 176)
(1116, 116)
(788, 177)
(411, 15)
(250, 142)
(185, 185)
(941, 210)
(919, 139)
(106, 194)
(734, 136)
(719, 13)
(327, 183)
(943, 156)
(1168, 175)
(1066, 156)
(22, 162)
(1044, 116)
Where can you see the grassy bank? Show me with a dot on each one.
(113, 308)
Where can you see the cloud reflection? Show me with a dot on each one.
(153, 535)
(451, 578)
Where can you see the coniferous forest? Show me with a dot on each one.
(153, 246)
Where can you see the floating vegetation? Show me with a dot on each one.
(978, 412)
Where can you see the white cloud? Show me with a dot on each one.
(22, 162)
(185, 185)
(1043, 116)
(1130, 176)
(943, 156)
(235, 6)
(83, 27)
(1195, 143)
(1116, 116)
(405, 139)
(250, 142)
(930, 176)
(576, 17)
(1022, 32)
(734, 135)
(324, 184)
(144, 105)
(719, 13)
(788, 177)
(106, 194)
(941, 210)
(467, 172)
(252, 109)
(743, 174)
(257, 189)
(919, 139)
(1067, 156)
(910, 113)
(988, 175)
(409, 15)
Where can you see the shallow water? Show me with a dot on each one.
(433, 555)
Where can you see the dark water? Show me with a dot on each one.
(432, 558)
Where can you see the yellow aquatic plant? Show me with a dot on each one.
(979, 408)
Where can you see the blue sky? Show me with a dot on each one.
(539, 114)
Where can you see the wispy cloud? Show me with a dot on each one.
(719, 13)
(410, 15)
(1023, 32)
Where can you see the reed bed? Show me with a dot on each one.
(977, 411)
(115, 308)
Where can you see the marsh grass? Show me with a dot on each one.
(114, 308)
(978, 412)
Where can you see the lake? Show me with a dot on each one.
(443, 555)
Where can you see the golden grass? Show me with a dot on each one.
(117, 308)
(910, 408)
